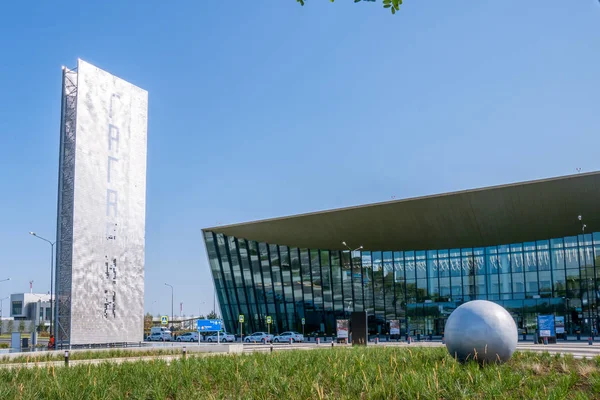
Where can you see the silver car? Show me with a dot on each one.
(223, 337)
(259, 337)
(287, 337)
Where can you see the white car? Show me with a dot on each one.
(223, 337)
(286, 336)
(160, 337)
(259, 337)
(188, 337)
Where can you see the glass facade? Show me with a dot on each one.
(420, 288)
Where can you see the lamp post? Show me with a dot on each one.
(152, 307)
(171, 286)
(51, 275)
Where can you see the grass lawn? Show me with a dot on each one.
(340, 373)
(88, 355)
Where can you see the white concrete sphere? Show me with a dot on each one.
(481, 330)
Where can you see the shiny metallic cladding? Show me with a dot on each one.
(481, 330)
(101, 211)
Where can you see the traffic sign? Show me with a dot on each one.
(164, 320)
(210, 325)
(241, 318)
(269, 320)
(303, 321)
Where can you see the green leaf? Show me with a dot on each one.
(393, 10)
(387, 6)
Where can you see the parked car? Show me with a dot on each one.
(164, 336)
(223, 337)
(286, 336)
(259, 337)
(188, 337)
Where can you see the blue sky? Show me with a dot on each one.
(264, 108)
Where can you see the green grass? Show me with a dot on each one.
(341, 373)
(87, 355)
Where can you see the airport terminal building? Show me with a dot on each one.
(521, 245)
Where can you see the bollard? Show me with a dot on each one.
(291, 340)
(318, 340)
(590, 341)
(443, 340)
(409, 340)
(377, 340)
(271, 347)
(184, 351)
(66, 358)
(545, 340)
(332, 343)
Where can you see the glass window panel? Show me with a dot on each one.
(516, 261)
(215, 268)
(388, 284)
(348, 302)
(297, 281)
(558, 259)
(316, 279)
(421, 265)
(237, 273)
(357, 277)
(571, 257)
(518, 281)
(479, 261)
(265, 266)
(493, 284)
(306, 280)
(259, 287)
(545, 282)
(277, 287)
(504, 263)
(530, 261)
(573, 286)
(532, 284)
(286, 274)
(443, 263)
(570, 241)
(399, 285)
(326, 280)
(368, 282)
(410, 272)
(422, 290)
(379, 299)
(336, 280)
(505, 283)
(455, 265)
(480, 286)
(444, 290)
(560, 285)
(227, 275)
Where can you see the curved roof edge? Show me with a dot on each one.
(501, 214)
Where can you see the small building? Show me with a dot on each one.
(23, 306)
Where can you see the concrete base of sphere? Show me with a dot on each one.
(481, 330)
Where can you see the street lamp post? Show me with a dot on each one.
(171, 286)
(51, 276)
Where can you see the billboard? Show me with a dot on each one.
(101, 208)
(343, 326)
(394, 327)
(546, 325)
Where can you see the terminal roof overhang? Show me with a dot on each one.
(505, 214)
